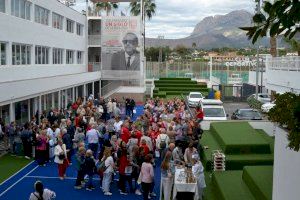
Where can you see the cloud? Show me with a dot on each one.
(177, 18)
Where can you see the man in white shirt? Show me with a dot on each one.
(117, 126)
(93, 140)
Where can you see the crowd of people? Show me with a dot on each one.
(98, 140)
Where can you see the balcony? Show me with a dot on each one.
(94, 66)
(94, 40)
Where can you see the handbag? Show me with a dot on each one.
(61, 156)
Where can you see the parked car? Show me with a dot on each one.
(266, 107)
(262, 97)
(194, 98)
(213, 110)
(246, 114)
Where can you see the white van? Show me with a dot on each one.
(213, 110)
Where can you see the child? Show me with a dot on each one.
(89, 167)
(199, 174)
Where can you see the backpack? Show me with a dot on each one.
(163, 143)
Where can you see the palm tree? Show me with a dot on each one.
(149, 7)
(149, 11)
(107, 6)
(273, 46)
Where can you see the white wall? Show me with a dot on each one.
(18, 30)
(283, 74)
(282, 81)
(20, 90)
(252, 78)
(286, 175)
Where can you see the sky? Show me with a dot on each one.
(177, 18)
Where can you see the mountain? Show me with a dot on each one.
(214, 32)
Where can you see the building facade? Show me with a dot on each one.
(43, 58)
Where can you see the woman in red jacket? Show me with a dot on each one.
(125, 169)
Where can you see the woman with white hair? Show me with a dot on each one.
(198, 171)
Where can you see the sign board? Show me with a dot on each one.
(120, 48)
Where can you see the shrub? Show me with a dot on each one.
(286, 113)
(254, 103)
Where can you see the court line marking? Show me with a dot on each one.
(57, 177)
(16, 173)
(18, 181)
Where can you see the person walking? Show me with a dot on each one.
(166, 182)
(109, 169)
(146, 176)
(60, 153)
(41, 193)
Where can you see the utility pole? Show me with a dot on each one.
(257, 54)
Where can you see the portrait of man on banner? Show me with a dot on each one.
(129, 57)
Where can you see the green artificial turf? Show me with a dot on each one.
(239, 138)
(259, 180)
(233, 161)
(9, 165)
(229, 185)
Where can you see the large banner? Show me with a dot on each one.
(120, 48)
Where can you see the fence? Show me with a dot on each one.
(199, 70)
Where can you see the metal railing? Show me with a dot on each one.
(94, 40)
(94, 66)
(110, 87)
(286, 63)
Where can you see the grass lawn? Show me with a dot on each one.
(9, 165)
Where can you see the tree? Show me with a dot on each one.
(294, 44)
(149, 7)
(286, 113)
(279, 17)
(107, 6)
(149, 11)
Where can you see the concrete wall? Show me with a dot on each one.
(286, 181)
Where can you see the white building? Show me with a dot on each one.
(43, 58)
(282, 74)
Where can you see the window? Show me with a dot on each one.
(2, 53)
(70, 26)
(20, 8)
(41, 55)
(57, 56)
(2, 6)
(57, 21)
(79, 29)
(41, 15)
(70, 57)
(21, 54)
(79, 57)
